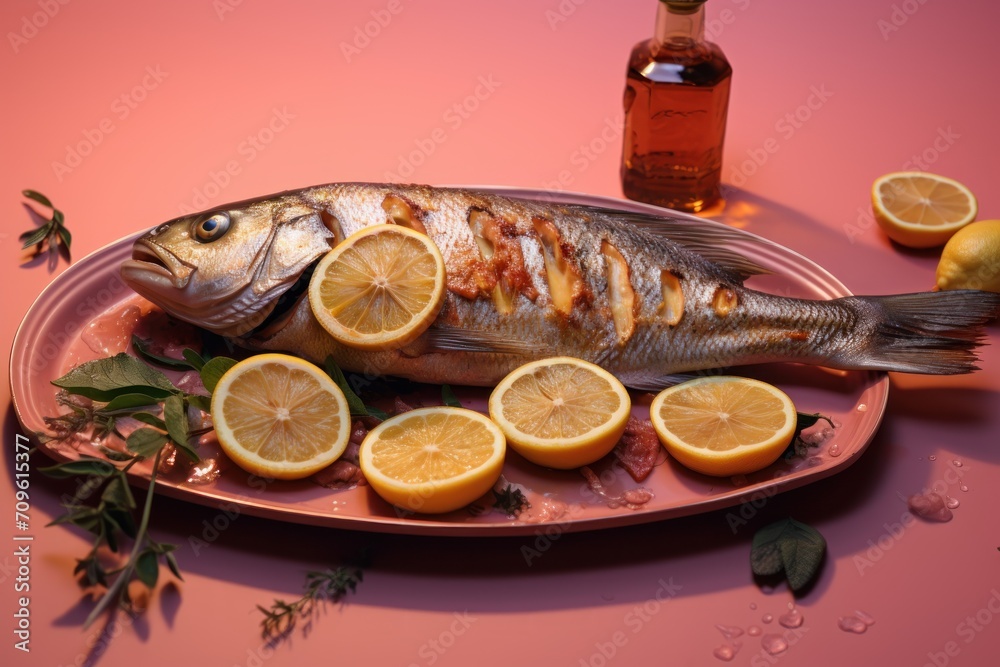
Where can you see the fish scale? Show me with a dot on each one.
(556, 261)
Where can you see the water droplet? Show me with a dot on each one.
(957, 463)
(863, 617)
(767, 618)
(852, 624)
(862, 407)
(963, 488)
(792, 619)
(951, 503)
(729, 631)
(753, 605)
(753, 631)
(834, 450)
(725, 653)
(932, 458)
(774, 644)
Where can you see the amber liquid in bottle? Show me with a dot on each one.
(676, 100)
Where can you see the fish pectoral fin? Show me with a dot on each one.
(657, 382)
(472, 340)
(714, 241)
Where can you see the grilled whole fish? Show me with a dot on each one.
(645, 297)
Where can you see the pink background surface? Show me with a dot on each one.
(549, 114)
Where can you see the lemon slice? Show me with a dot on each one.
(380, 288)
(724, 425)
(561, 412)
(971, 258)
(433, 460)
(279, 416)
(921, 210)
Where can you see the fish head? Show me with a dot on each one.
(226, 269)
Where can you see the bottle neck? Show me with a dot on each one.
(677, 31)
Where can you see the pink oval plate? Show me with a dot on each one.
(48, 343)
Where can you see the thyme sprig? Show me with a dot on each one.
(330, 585)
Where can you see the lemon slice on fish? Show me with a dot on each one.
(279, 416)
(380, 288)
(433, 460)
(561, 412)
(724, 425)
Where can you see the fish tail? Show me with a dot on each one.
(930, 332)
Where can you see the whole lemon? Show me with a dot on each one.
(971, 258)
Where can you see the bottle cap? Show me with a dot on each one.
(683, 6)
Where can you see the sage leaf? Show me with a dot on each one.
(213, 370)
(175, 419)
(145, 442)
(354, 402)
(141, 348)
(87, 466)
(789, 546)
(105, 379)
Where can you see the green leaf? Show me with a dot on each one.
(213, 371)
(791, 546)
(149, 418)
(141, 348)
(145, 442)
(117, 493)
(58, 217)
(172, 564)
(175, 417)
(354, 402)
(38, 197)
(88, 466)
(203, 403)
(105, 379)
(195, 360)
(37, 236)
(448, 397)
(147, 568)
(126, 402)
(804, 420)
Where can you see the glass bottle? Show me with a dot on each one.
(676, 99)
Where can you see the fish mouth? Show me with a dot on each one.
(155, 266)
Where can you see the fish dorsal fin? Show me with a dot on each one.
(714, 241)
(472, 340)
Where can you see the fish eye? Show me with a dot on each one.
(211, 228)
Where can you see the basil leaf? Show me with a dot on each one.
(141, 348)
(789, 546)
(145, 442)
(147, 568)
(105, 379)
(448, 397)
(175, 419)
(128, 402)
(38, 197)
(213, 371)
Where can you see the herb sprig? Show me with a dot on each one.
(326, 586)
(53, 232)
(510, 500)
(100, 393)
(788, 547)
